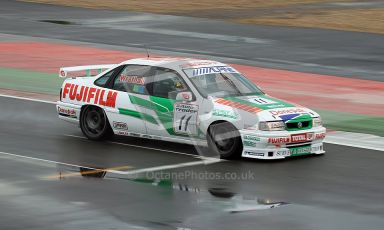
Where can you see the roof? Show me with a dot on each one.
(174, 63)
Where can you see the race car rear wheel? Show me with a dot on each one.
(94, 123)
(224, 139)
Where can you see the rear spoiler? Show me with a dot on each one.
(84, 71)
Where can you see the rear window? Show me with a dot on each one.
(102, 81)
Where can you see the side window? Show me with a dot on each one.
(167, 83)
(101, 81)
(132, 79)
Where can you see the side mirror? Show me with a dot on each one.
(184, 96)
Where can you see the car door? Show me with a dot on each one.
(176, 118)
(131, 114)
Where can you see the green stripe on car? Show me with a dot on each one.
(139, 115)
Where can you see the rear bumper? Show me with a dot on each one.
(282, 144)
(68, 112)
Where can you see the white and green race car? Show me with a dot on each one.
(187, 101)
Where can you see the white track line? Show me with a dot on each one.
(27, 99)
(353, 145)
(47, 161)
(150, 169)
(357, 140)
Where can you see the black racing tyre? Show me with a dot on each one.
(94, 123)
(224, 139)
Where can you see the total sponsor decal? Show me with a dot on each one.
(120, 125)
(251, 153)
(88, 94)
(299, 137)
(294, 138)
(67, 112)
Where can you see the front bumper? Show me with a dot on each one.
(282, 144)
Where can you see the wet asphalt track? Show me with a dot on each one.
(341, 190)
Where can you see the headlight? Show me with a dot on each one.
(271, 125)
(316, 122)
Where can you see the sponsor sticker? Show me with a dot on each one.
(251, 137)
(67, 112)
(287, 111)
(251, 153)
(283, 153)
(120, 125)
(123, 133)
(302, 137)
(213, 69)
(88, 94)
(225, 113)
(132, 79)
(320, 135)
(185, 118)
(249, 143)
(300, 150)
(294, 138)
(279, 140)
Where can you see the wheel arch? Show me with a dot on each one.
(222, 121)
(83, 107)
(109, 130)
(239, 145)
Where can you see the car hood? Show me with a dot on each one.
(264, 107)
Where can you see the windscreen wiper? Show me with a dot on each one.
(231, 83)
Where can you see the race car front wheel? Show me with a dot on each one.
(94, 123)
(224, 139)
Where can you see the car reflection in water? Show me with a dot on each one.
(211, 198)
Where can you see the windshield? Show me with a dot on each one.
(220, 81)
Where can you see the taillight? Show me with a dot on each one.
(61, 91)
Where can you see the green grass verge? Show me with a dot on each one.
(30, 81)
(37, 82)
(352, 122)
